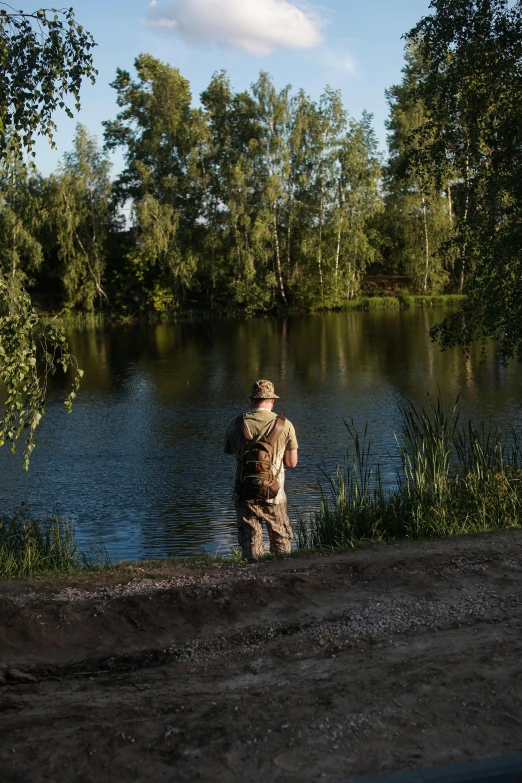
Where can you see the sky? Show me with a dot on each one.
(351, 45)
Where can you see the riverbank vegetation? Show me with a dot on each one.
(255, 202)
(264, 199)
(29, 546)
(452, 479)
(80, 321)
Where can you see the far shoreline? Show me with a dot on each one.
(102, 319)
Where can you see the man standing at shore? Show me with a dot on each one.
(248, 431)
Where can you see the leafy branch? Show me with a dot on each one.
(30, 352)
(44, 56)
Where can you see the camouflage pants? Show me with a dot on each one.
(250, 516)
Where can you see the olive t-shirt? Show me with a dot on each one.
(258, 422)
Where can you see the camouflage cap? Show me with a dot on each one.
(263, 390)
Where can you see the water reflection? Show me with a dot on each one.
(139, 463)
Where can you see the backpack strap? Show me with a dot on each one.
(272, 439)
(276, 432)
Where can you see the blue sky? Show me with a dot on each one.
(352, 45)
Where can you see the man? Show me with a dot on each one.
(250, 513)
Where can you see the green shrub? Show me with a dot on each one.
(30, 546)
(452, 480)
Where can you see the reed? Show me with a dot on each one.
(452, 479)
(30, 546)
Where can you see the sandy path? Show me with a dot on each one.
(319, 669)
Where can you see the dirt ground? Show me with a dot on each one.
(326, 668)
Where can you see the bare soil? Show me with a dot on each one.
(312, 669)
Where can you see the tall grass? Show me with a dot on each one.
(30, 546)
(431, 300)
(452, 479)
(401, 301)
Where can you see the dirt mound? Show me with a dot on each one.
(322, 668)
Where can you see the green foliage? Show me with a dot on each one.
(261, 199)
(162, 137)
(21, 216)
(30, 546)
(83, 216)
(453, 480)
(257, 201)
(236, 556)
(264, 199)
(30, 352)
(417, 221)
(44, 57)
(472, 91)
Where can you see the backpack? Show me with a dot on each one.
(256, 479)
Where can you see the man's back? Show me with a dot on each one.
(259, 422)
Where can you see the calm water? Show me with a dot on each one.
(139, 462)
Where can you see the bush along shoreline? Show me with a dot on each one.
(452, 479)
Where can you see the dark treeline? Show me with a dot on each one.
(255, 200)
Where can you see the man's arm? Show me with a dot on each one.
(290, 458)
(290, 455)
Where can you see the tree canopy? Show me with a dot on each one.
(472, 91)
(260, 198)
(44, 58)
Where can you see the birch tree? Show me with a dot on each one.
(273, 165)
(327, 130)
(359, 200)
(83, 218)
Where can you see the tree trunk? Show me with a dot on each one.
(426, 245)
(354, 273)
(14, 253)
(319, 256)
(464, 248)
(450, 204)
(288, 233)
(238, 252)
(338, 249)
(278, 258)
(94, 273)
(13, 261)
(452, 222)
(213, 255)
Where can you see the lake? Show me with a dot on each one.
(139, 465)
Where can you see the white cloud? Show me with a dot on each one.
(337, 60)
(255, 26)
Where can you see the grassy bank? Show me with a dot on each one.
(34, 546)
(29, 546)
(452, 479)
(80, 320)
(402, 302)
